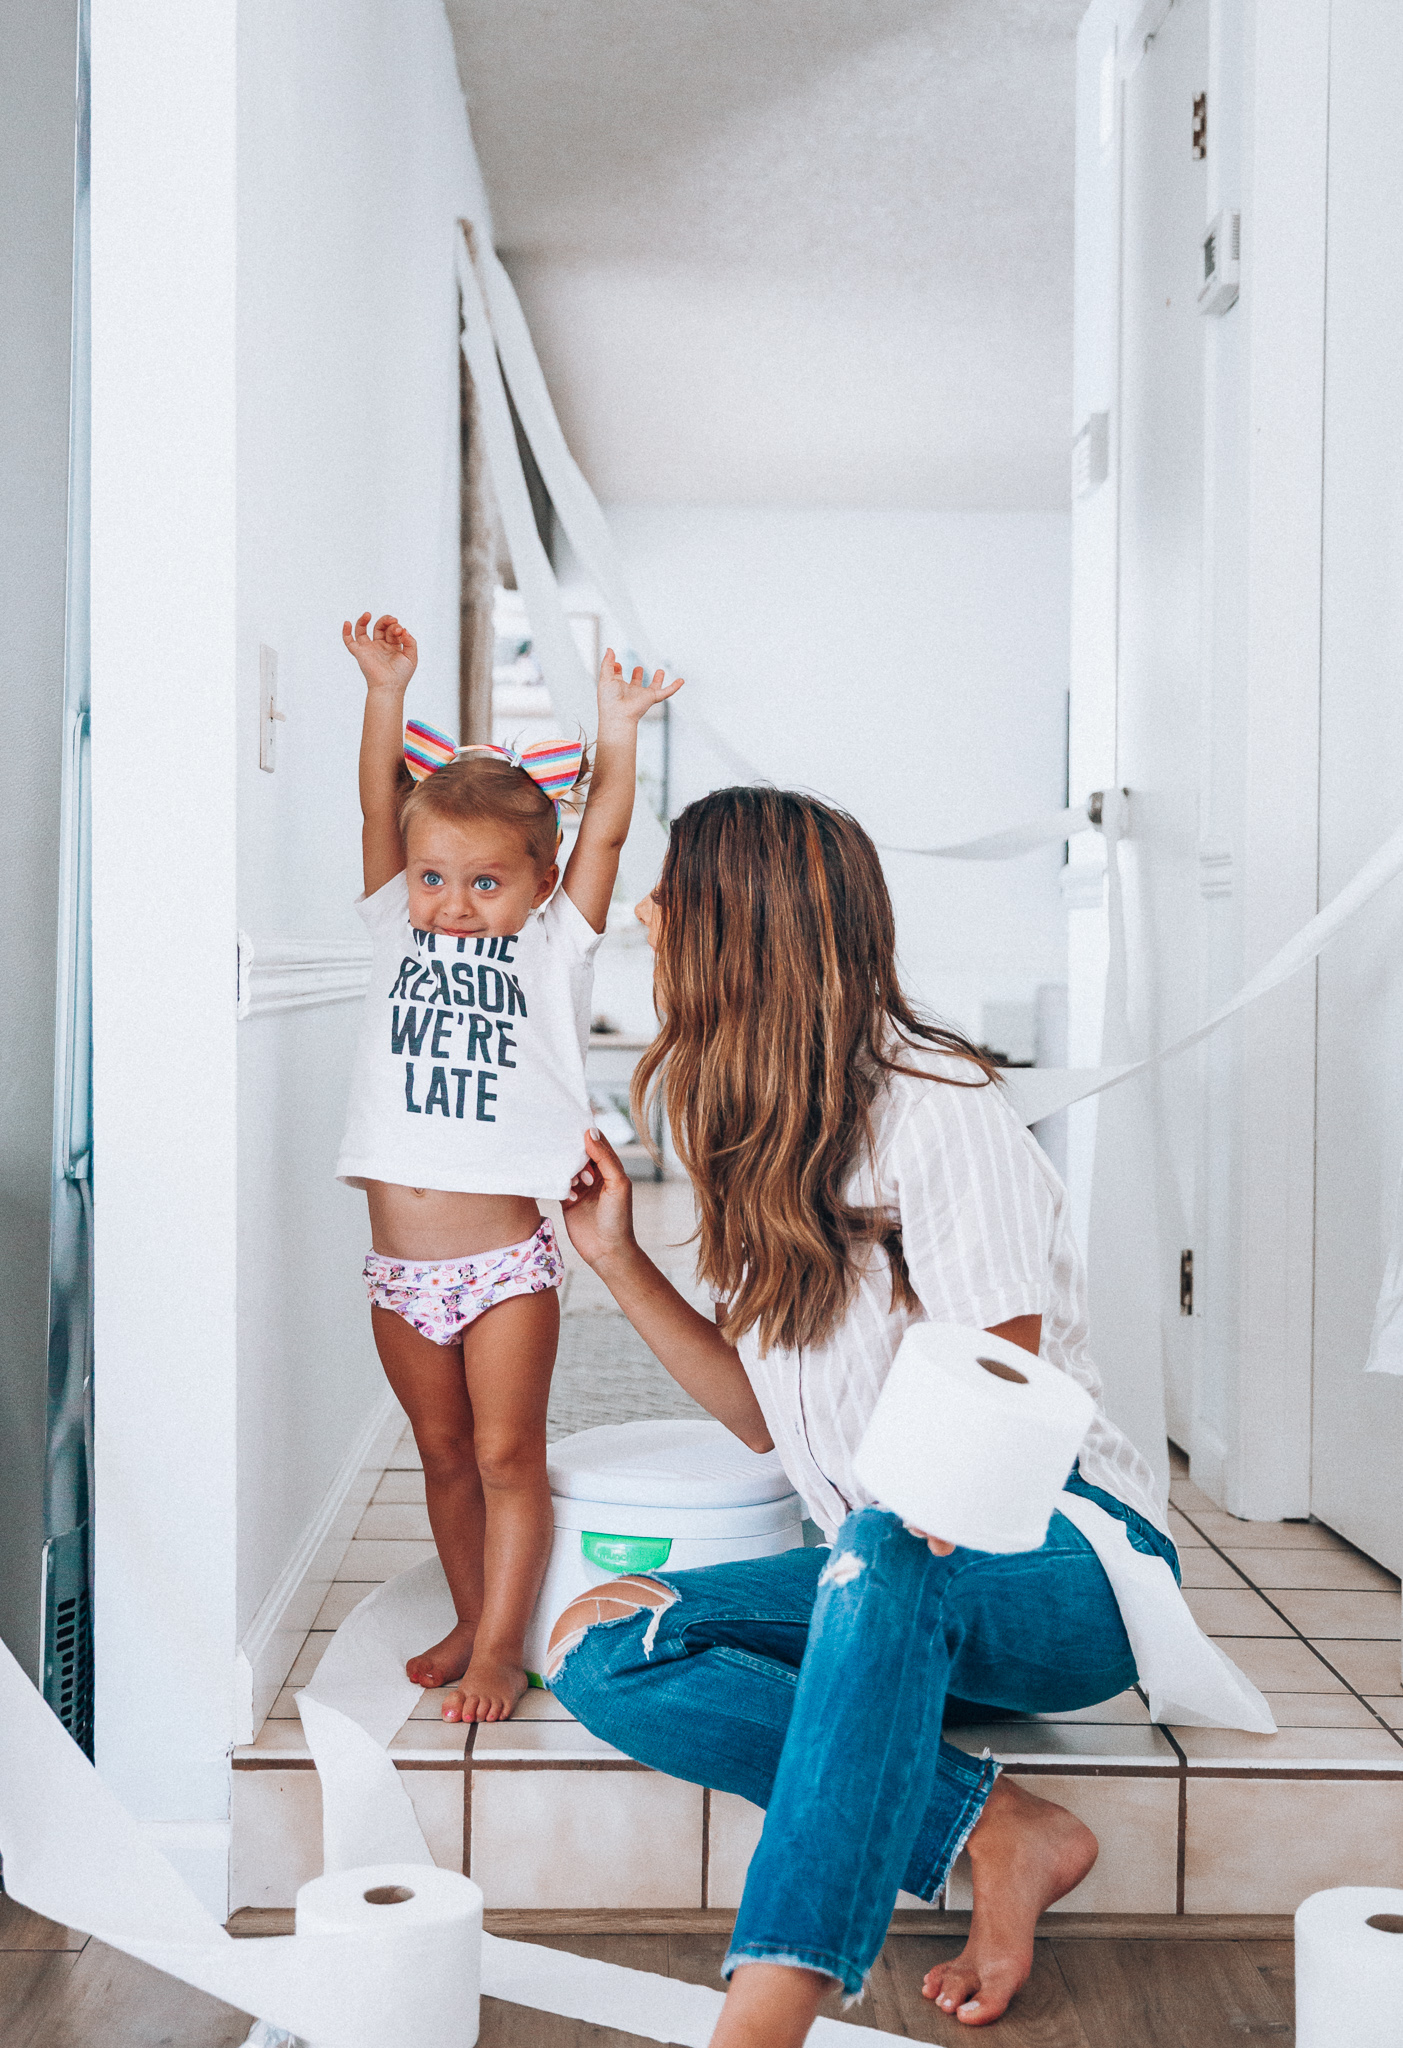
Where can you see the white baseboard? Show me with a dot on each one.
(276, 1633)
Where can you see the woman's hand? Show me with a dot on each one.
(387, 657)
(936, 1544)
(599, 1206)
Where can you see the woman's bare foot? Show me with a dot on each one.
(1024, 1853)
(490, 1689)
(446, 1661)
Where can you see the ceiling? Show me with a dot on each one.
(790, 251)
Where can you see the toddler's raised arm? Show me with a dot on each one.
(387, 657)
(594, 864)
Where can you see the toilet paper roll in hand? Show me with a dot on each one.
(402, 1947)
(1349, 1968)
(972, 1438)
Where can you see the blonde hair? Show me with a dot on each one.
(477, 786)
(782, 1011)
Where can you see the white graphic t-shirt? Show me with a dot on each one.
(470, 1071)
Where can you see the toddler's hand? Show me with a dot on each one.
(621, 701)
(388, 657)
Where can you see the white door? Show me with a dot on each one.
(1357, 1433)
(1161, 531)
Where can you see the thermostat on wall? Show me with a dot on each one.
(1222, 250)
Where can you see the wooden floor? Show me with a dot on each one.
(1095, 1984)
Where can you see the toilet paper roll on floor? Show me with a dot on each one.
(400, 1947)
(1349, 1968)
(972, 1438)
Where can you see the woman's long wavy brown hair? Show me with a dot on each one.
(782, 1015)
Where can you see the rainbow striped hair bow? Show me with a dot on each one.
(553, 765)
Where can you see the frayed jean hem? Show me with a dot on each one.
(965, 1826)
(843, 1972)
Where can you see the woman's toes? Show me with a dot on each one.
(950, 1984)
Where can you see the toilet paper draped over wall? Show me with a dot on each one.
(1123, 1221)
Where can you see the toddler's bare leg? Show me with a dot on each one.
(429, 1382)
(508, 1357)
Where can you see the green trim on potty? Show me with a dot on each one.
(625, 1553)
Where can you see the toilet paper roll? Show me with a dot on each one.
(972, 1438)
(398, 1947)
(1349, 1968)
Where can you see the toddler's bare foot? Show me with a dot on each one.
(490, 1689)
(1024, 1853)
(446, 1661)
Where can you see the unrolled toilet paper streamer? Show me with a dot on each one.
(1019, 1423)
(72, 1852)
(1349, 1975)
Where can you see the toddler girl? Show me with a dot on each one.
(468, 1105)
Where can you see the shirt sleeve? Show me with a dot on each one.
(976, 1214)
(566, 925)
(389, 905)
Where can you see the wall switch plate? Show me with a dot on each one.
(1222, 251)
(269, 716)
(1091, 454)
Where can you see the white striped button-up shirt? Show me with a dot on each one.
(986, 1230)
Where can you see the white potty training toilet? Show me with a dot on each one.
(653, 1496)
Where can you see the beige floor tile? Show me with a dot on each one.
(1356, 1616)
(309, 1656)
(284, 1707)
(587, 1838)
(1261, 1845)
(380, 1561)
(276, 1836)
(1186, 1537)
(1371, 1745)
(399, 1487)
(732, 1835)
(1234, 1536)
(277, 1829)
(1320, 1710)
(1319, 1570)
(1190, 1498)
(1222, 1613)
(1369, 1667)
(1205, 1567)
(1390, 1705)
(275, 1739)
(344, 1595)
(1282, 1664)
(564, 1741)
(1048, 1740)
(405, 1456)
(1136, 1822)
(397, 1520)
(430, 1707)
(429, 1742)
(536, 1704)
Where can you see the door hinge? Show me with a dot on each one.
(1186, 1283)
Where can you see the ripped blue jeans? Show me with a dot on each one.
(815, 1685)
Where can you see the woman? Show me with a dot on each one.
(857, 1169)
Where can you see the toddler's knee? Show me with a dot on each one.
(446, 1458)
(509, 1463)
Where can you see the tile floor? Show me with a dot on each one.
(1190, 1820)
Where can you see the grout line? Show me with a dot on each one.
(706, 1847)
(1181, 1843)
(1297, 1633)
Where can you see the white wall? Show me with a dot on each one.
(275, 445)
(909, 666)
(348, 500)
